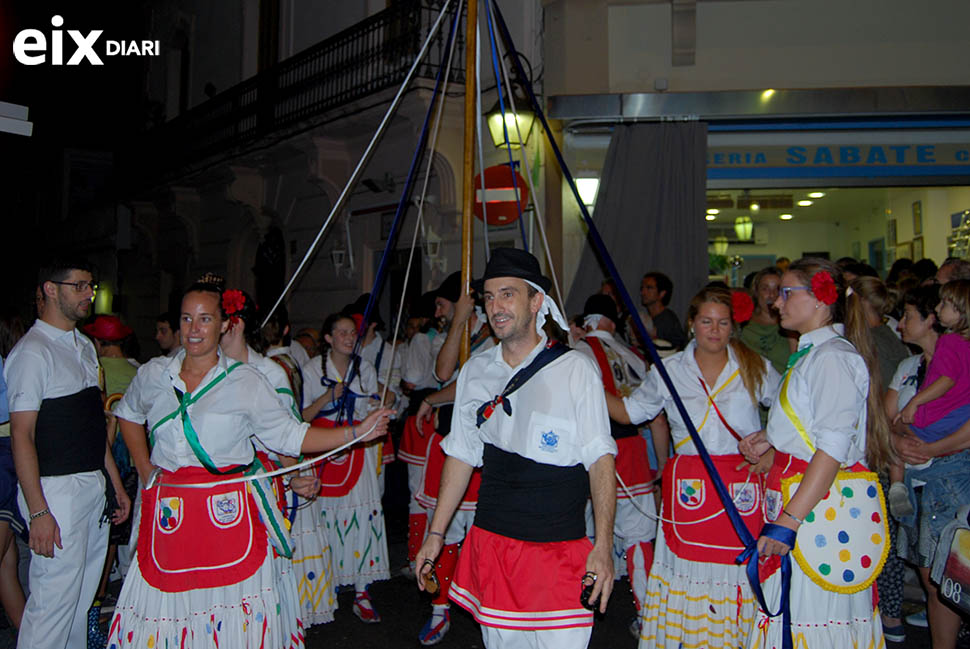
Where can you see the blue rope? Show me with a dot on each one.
(750, 554)
(505, 127)
(404, 202)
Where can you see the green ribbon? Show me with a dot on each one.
(795, 356)
(186, 400)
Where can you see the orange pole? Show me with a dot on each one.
(468, 170)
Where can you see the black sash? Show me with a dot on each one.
(530, 501)
(71, 433)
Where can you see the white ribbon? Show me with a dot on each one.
(592, 320)
(549, 310)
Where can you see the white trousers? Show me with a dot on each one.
(62, 588)
(496, 638)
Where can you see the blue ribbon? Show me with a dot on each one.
(720, 489)
(405, 201)
(750, 555)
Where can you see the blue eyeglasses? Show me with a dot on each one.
(785, 291)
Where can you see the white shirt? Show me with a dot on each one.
(417, 367)
(904, 380)
(369, 353)
(732, 400)
(277, 378)
(298, 353)
(48, 363)
(240, 406)
(365, 383)
(564, 398)
(827, 390)
(629, 370)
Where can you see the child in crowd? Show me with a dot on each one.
(943, 405)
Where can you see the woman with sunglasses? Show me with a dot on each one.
(827, 415)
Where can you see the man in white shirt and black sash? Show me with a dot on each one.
(534, 417)
(59, 437)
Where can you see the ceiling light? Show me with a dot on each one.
(710, 217)
(713, 210)
(816, 195)
(785, 217)
(587, 188)
(767, 94)
(804, 203)
(754, 207)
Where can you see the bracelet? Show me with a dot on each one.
(44, 512)
(436, 534)
(792, 516)
(425, 400)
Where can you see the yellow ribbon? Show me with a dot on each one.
(710, 402)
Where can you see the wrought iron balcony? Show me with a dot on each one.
(369, 57)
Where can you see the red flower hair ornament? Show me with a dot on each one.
(742, 306)
(823, 287)
(233, 302)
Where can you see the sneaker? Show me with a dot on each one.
(899, 504)
(435, 629)
(634, 627)
(364, 609)
(917, 619)
(894, 633)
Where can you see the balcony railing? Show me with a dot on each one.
(369, 57)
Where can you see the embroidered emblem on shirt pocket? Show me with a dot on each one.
(549, 442)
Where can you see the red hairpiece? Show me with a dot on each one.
(742, 306)
(823, 286)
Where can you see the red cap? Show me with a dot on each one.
(107, 327)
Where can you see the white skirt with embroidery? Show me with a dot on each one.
(252, 613)
(355, 526)
(821, 619)
(312, 563)
(694, 605)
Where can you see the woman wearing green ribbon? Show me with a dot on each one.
(826, 421)
(204, 569)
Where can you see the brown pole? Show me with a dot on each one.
(468, 169)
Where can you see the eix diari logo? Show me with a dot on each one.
(30, 46)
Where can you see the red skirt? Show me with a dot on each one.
(689, 496)
(512, 584)
(192, 538)
(633, 465)
(340, 473)
(433, 467)
(414, 441)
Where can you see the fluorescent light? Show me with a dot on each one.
(785, 217)
(710, 217)
(587, 189)
(817, 195)
(713, 210)
(767, 94)
(804, 203)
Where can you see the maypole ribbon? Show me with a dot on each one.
(750, 555)
(402, 203)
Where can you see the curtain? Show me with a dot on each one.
(650, 212)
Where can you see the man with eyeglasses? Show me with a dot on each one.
(59, 437)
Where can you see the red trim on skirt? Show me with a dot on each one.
(512, 584)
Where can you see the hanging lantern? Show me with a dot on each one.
(720, 245)
(743, 227)
(525, 117)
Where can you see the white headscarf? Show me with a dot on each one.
(549, 310)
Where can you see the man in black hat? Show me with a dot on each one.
(621, 371)
(534, 417)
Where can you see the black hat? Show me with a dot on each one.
(512, 262)
(600, 304)
(450, 289)
(359, 305)
(423, 307)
